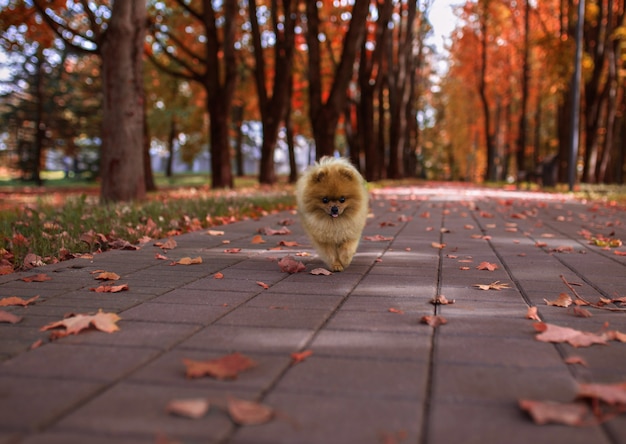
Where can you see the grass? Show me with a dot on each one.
(53, 232)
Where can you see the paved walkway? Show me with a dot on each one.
(376, 375)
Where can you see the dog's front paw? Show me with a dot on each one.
(337, 266)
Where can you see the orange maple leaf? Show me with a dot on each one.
(75, 324)
(487, 266)
(14, 300)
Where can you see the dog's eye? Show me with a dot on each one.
(342, 199)
(325, 200)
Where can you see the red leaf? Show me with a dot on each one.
(226, 367)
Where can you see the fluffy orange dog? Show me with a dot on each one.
(333, 206)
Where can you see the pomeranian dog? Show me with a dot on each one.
(333, 205)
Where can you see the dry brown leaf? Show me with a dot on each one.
(188, 261)
(14, 300)
(245, 412)
(438, 245)
(441, 300)
(581, 312)
(546, 412)
(193, 408)
(531, 313)
(487, 266)
(107, 276)
(377, 238)
(106, 322)
(298, 357)
(576, 338)
(232, 250)
(110, 288)
(160, 257)
(614, 335)
(609, 393)
(575, 360)
(218, 275)
(215, 233)
(271, 232)
(263, 284)
(226, 367)
(289, 265)
(433, 320)
(41, 277)
(10, 318)
(497, 285)
(395, 310)
(258, 239)
(564, 300)
(321, 271)
(284, 243)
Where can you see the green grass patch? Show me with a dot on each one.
(83, 225)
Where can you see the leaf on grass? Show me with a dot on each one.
(245, 412)
(441, 300)
(262, 284)
(531, 313)
(258, 239)
(10, 318)
(14, 300)
(226, 367)
(289, 265)
(564, 300)
(110, 288)
(487, 266)
(377, 238)
(41, 277)
(497, 285)
(546, 412)
(298, 357)
(434, 320)
(193, 408)
(188, 261)
(321, 271)
(575, 360)
(106, 322)
(107, 276)
(576, 338)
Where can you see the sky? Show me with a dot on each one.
(443, 20)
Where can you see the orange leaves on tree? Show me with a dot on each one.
(14, 300)
(106, 322)
(226, 367)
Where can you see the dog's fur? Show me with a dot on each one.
(333, 205)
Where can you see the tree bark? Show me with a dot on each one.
(121, 163)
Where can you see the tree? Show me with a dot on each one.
(326, 106)
(118, 41)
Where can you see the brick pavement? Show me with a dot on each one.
(375, 376)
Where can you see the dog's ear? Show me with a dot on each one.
(319, 176)
(348, 174)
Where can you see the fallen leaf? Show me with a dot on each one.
(614, 335)
(285, 243)
(232, 250)
(106, 322)
(41, 277)
(245, 412)
(487, 266)
(298, 357)
(395, 310)
(226, 367)
(378, 238)
(107, 276)
(218, 275)
(434, 320)
(169, 244)
(564, 300)
(497, 285)
(271, 232)
(263, 284)
(215, 233)
(546, 412)
(609, 393)
(188, 261)
(531, 313)
(441, 300)
(575, 360)
(581, 312)
(160, 256)
(576, 338)
(437, 245)
(194, 408)
(258, 239)
(10, 318)
(110, 288)
(14, 300)
(289, 265)
(321, 271)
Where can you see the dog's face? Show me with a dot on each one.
(332, 192)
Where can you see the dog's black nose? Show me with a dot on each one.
(334, 210)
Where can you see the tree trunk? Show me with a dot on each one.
(522, 164)
(221, 174)
(122, 169)
(491, 171)
(147, 161)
